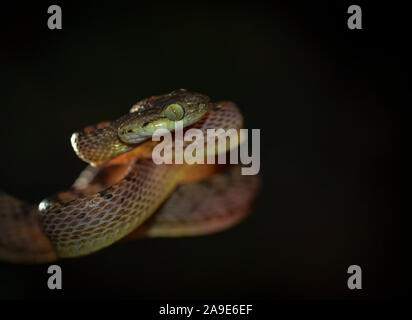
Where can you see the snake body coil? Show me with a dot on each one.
(123, 194)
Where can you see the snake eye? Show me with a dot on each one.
(174, 112)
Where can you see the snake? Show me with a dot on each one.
(123, 195)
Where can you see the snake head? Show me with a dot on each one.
(161, 112)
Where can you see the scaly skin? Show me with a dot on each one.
(109, 202)
(99, 144)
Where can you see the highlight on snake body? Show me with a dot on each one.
(150, 173)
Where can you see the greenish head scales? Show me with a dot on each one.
(161, 112)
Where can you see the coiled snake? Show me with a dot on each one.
(124, 195)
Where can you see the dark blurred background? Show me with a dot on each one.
(319, 92)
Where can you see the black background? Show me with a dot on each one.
(319, 92)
